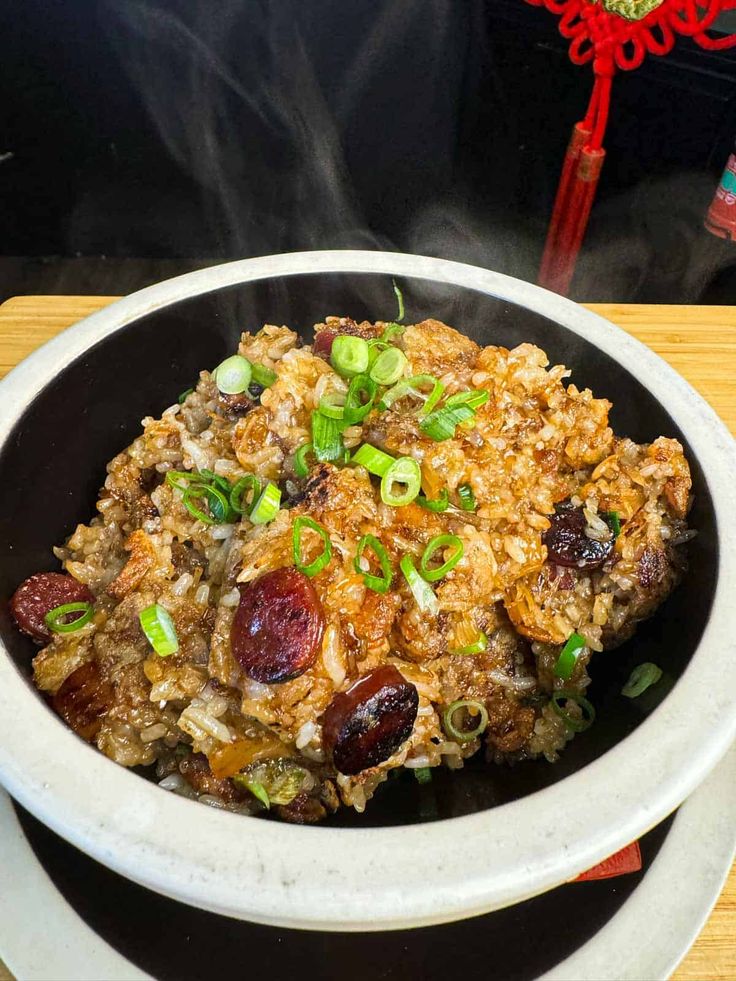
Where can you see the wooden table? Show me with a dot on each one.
(700, 342)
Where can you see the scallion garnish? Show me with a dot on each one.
(184, 396)
(379, 584)
(375, 347)
(413, 387)
(56, 619)
(473, 400)
(642, 677)
(569, 655)
(404, 471)
(233, 375)
(317, 565)
(375, 461)
(359, 400)
(613, 519)
(421, 590)
(301, 467)
(441, 424)
(471, 709)
(389, 366)
(434, 545)
(217, 503)
(571, 721)
(389, 330)
(255, 787)
(326, 438)
(247, 484)
(267, 506)
(263, 376)
(423, 774)
(349, 355)
(477, 647)
(159, 629)
(439, 504)
(399, 301)
(467, 497)
(332, 405)
(181, 479)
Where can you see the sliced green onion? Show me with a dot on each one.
(439, 504)
(312, 568)
(467, 497)
(301, 467)
(181, 479)
(399, 301)
(240, 488)
(473, 400)
(159, 629)
(613, 519)
(576, 724)
(375, 461)
(267, 506)
(404, 471)
(423, 774)
(569, 655)
(642, 677)
(379, 584)
(441, 424)
(332, 405)
(389, 366)
(359, 400)
(390, 329)
(469, 705)
(233, 375)
(421, 590)
(349, 355)
(217, 503)
(326, 438)
(434, 544)
(413, 387)
(477, 647)
(375, 347)
(255, 787)
(56, 619)
(263, 376)
(184, 395)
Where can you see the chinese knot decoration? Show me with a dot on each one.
(611, 36)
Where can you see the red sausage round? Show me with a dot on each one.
(278, 626)
(568, 545)
(84, 699)
(366, 724)
(38, 595)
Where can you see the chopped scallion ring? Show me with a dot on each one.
(349, 355)
(441, 424)
(413, 387)
(434, 544)
(439, 504)
(332, 405)
(404, 471)
(359, 400)
(467, 497)
(423, 774)
(184, 396)
(255, 787)
(317, 565)
(375, 347)
(421, 590)
(569, 655)
(326, 438)
(56, 619)
(614, 520)
(301, 467)
(267, 506)
(472, 709)
(390, 329)
(181, 479)
(473, 400)
(389, 366)
(375, 461)
(246, 484)
(159, 629)
(379, 584)
(217, 503)
(571, 721)
(642, 677)
(477, 647)
(399, 300)
(263, 376)
(233, 375)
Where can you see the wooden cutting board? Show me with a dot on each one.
(700, 342)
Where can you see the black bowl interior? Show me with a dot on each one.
(54, 463)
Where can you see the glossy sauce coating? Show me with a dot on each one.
(83, 699)
(568, 545)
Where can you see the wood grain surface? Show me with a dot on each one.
(700, 342)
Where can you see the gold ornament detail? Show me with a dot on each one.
(631, 9)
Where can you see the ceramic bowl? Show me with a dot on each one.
(474, 840)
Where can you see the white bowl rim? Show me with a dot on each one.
(383, 878)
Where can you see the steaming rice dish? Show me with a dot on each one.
(390, 549)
